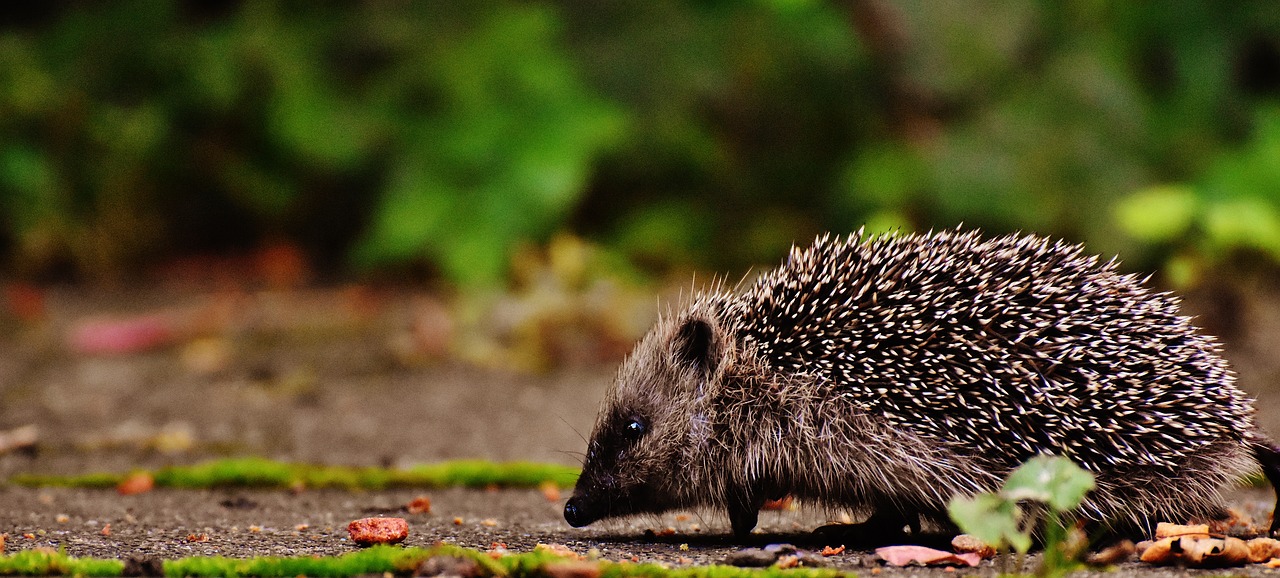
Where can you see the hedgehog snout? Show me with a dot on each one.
(577, 514)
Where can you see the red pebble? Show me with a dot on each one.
(368, 531)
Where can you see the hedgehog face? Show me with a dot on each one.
(651, 419)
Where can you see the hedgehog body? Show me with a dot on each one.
(892, 374)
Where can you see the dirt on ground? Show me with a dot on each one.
(341, 394)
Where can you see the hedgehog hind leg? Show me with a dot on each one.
(1268, 456)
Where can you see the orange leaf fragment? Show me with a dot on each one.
(550, 491)
(781, 504)
(137, 483)
(419, 505)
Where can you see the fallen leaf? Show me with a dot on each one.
(571, 569)
(122, 335)
(1167, 530)
(781, 504)
(908, 555)
(1113, 554)
(419, 505)
(18, 438)
(1263, 549)
(25, 302)
(1197, 551)
(550, 491)
(557, 550)
(138, 483)
(207, 355)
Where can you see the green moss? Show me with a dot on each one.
(263, 473)
(49, 563)
(374, 561)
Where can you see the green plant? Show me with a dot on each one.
(1036, 497)
(263, 473)
(388, 560)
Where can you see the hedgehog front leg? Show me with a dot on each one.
(744, 511)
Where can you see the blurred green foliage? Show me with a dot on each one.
(387, 134)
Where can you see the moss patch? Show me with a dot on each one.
(379, 560)
(263, 473)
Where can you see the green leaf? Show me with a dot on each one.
(1157, 214)
(1052, 480)
(990, 518)
(1248, 222)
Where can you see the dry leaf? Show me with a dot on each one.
(419, 505)
(1197, 551)
(557, 550)
(123, 335)
(550, 491)
(1263, 549)
(781, 504)
(908, 555)
(571, 569)
(1167, 530)
(23, 437)
(138, 483)
(1113, 554)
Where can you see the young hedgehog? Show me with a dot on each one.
(890, 375)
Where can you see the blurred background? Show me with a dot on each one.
(213, 187)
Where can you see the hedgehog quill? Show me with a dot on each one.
(886, 375)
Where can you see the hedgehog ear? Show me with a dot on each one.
(696, 347)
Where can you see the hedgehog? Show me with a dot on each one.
(885, 375)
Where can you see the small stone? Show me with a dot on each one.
(751, 558)
(368, 531)
(780, 549)
(965, 543)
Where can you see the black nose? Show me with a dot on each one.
(574, 514)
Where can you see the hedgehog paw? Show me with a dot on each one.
(881, 529)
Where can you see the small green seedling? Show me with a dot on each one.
(1045, 487)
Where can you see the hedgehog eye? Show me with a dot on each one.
(634, 428)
